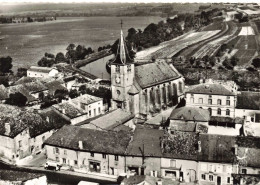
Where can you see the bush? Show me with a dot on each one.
(256, 62)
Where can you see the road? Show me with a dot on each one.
(57, 178)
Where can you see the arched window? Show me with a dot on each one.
(227, 112)
(210, 111)
(219, 101)
(219, 111)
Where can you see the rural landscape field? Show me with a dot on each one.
(28, 42)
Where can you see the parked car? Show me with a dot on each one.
(52, 165)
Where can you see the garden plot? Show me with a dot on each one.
(170, 48)
(247, 30)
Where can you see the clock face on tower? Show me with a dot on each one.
(117, 79)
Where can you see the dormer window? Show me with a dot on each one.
(117, 68)
(129, 68)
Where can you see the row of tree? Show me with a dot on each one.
(73, 54)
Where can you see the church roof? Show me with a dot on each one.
(135, 88)
(122, 56)
(155, 73)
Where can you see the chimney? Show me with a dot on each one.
(7, 128)
(63, 111)
(235, 149)
(80, 145)
(199, 146)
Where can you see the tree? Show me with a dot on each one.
(70, 47)
(234, 61)
(83, 89)
(60, 94)
(17, 99)
(6, 64)
(21, 72)
(256, 62)
(60, 58)
(73, 93)
(192, 60)
(49, 55)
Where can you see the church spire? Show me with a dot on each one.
(122, 56)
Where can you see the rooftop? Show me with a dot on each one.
(93, 140)
(12, 175)
(86, 99)
(216, 148)
(154, 73)
(190, 114)
(248, 100)
(20, 88)
(180, 145)
(69, 110)
(110, 120)
(216, 89)
(146, 141)
(20, 119)
(25, 79)
(36, 86)
(3, 92)
(40, 69)
(54, 85)
(122, 56)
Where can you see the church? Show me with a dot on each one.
(143, 89)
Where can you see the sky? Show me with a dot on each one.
(123, 1)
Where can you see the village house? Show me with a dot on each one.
(23, 132)
(219, 98)
(31, 90)
(144, 89)
(42, 72)
(55, 85)
(113, 120)
(179, 159)
(15, 177)
(248, 106)
(216, 159)
(87, 150)
(143, 155)
(79, 109)
(70, 112)
(189, 119)
(93, 105)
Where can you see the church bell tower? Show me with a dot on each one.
(122, 75)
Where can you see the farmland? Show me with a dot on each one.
(211, 47)
(170, 48)
(245, 55)
(247, 30)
